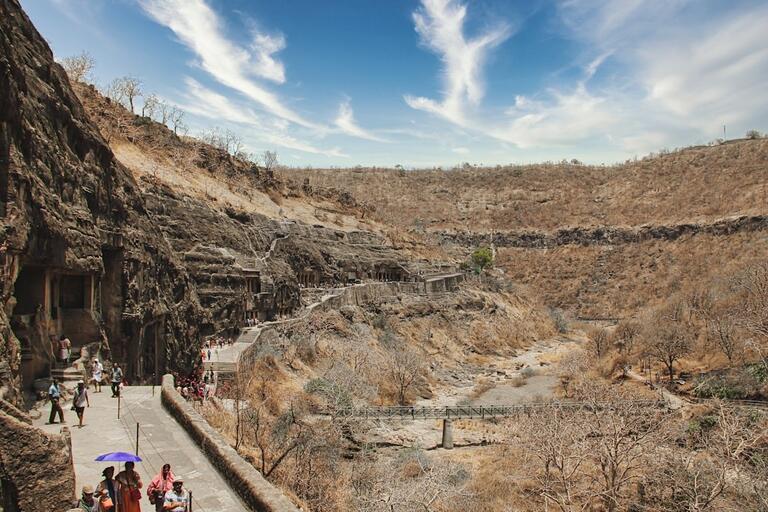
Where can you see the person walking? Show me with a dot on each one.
(87, 502)
(106, 491)
(160, 484)
(97, 375)
(54, 395)
(129, 486)
(177, 499)
(80, 401)
(64, 349)
(117, 378)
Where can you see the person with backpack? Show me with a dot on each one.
(80, 401)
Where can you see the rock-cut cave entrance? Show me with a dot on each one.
(50, 303)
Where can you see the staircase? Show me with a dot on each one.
(67, 375)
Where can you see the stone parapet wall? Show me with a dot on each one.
(255, 491)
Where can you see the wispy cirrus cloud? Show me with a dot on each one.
(203, 102)
(345, 121)
(678, 72)
(440, 25)
(200, 28)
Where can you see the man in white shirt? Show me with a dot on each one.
(97, 375)
(177, 499)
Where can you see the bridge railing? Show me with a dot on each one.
(477, 411)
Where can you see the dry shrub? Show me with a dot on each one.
(481, 386)
(518, 381)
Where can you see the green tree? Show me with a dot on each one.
(481, 259)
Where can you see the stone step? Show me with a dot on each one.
(69, 374)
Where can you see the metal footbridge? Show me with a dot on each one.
(457, 412)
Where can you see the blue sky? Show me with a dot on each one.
(435, 82)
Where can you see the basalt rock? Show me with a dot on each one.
(80, 254)
(585, 236)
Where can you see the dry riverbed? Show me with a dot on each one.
(527, 377)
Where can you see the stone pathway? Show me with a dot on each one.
(161, 440)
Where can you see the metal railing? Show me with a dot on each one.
(478, 411)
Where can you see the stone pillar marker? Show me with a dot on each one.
(448, 434)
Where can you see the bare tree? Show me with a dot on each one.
(176, 119)
(150, 106)
(598, 341)
(752, 287)
(270, 163)
(125, 90)
(625, 336)
(556, 441)
(572, 365)
(722, 331)
(403, 368)
(410, 482)
(224, 139)
(667, 337)
(79, 67)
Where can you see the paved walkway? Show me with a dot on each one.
(161, 440)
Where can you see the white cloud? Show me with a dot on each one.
(345, 121)
(677, 72)
(255, 130)
(565, 118)
(199, 28)
(707, 77)
(440, 24)
(264, 47)
(461, 151)
(697, 67)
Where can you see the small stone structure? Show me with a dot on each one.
(255, 491)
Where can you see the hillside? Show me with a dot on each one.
(699, 184)
(596, 241)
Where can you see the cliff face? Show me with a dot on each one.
(607, 235)
(80, 255)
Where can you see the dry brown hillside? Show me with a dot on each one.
(694, 184)
(597, 241)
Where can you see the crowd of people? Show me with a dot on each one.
(122, 492)
(198, 386)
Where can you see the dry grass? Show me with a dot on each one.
(701, 183)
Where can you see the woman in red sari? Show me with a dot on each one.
(128, 493)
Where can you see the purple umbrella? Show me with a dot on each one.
(118, 457)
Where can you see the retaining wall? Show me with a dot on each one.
(255, 491)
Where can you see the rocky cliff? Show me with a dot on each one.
(80, 252)
(607, 235)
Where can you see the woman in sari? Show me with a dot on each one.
(107, 488)
(128, 492)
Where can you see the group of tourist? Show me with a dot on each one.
(251, 322)
(212, 346)
(115, 377)
(196, 387)
(80, 399)
(122, 492)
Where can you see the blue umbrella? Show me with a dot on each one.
(118, 457)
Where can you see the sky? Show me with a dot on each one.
(424, 83)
